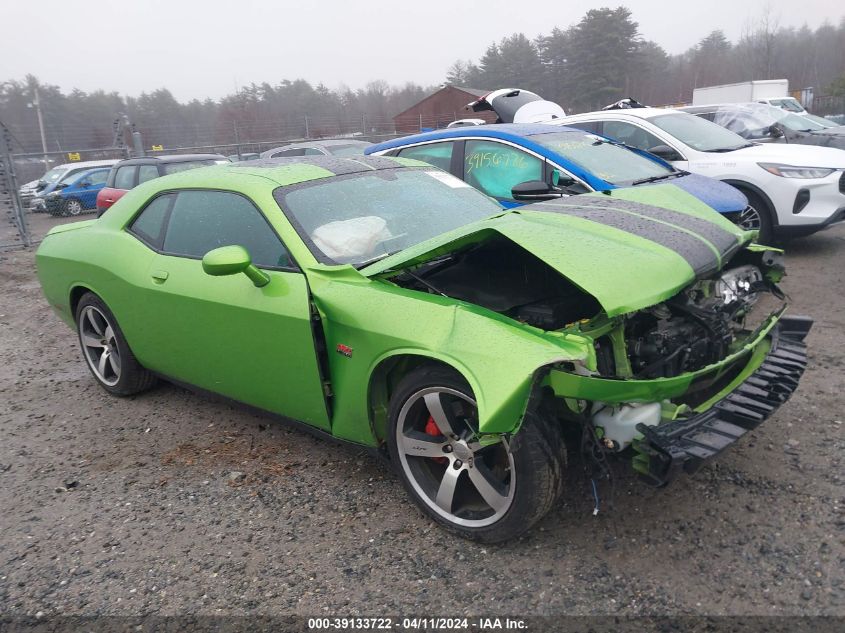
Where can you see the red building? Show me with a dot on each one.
(439, 109)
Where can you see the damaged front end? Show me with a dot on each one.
(682, 380)
(666, 385)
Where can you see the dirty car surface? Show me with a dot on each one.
(389, 304)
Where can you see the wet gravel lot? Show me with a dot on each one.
(171, 503)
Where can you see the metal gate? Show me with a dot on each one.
(14, 232)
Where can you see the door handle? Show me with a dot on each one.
(159, 276)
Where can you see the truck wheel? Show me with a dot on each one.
(487, 493)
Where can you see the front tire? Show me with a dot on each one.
(105, 350)
(757, 216)
(486, 493)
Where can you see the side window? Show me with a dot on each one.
(289, 152)
(495, 168)
(98, 177)
(147, 172)
(437, 154)
(313, 151)
(149, 225)
(125, 177)
(593, 127)
(630, 135)
(201, 221)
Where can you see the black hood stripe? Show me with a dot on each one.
(698, 253)
(724, 241)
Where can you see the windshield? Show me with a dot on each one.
(613, 163)
(820, 120)
(698, 133)
(790, 104)
(54, 175)
(754, 120)
(356, 149)
(362, 217)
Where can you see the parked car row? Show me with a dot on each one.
(790, 189)
(467, 302)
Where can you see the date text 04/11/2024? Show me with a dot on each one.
(417, 624)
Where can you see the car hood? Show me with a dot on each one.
(831, 137)
(627, 254)
(790, 154)
(715, 193)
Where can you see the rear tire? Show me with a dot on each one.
(72, 206)
(483, 493)
(105, 350)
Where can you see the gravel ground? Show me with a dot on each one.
(170, 503)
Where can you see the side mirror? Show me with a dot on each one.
(534, 190)
(665, 152)
(62, 185)
(231, 260)
(775, 131)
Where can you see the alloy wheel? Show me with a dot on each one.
(749, 219)
(465, 482)
(73, 207)
(99, 345)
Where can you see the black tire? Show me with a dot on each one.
(72, 207)
(122, 377)
(766, 223)
(536, 458)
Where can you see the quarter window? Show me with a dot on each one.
(125, 177)
(495, 168)
(437, 154)
(201, 221)
(149, 225)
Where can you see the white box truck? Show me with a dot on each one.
(772, 91)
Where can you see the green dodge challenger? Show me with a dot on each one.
(386, 303)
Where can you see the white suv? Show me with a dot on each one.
(792, 190)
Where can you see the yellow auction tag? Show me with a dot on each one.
(73, 156)
(158, 148)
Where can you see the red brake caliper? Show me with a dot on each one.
(431, 429)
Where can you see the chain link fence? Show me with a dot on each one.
(239, 140)
(14, 230)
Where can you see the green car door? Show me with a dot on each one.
(224, 334)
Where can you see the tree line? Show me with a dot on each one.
(604, 58)
(600, 59)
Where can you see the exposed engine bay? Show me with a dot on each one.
(501, 276)
(697, 327)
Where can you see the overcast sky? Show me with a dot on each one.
(205, 48)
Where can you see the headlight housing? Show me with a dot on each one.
(790, 171)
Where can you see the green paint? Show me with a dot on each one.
(251, 337)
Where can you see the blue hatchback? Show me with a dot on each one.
(78, 194)
(497, 158)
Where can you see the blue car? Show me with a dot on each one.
(543, 161)
(78, 193)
